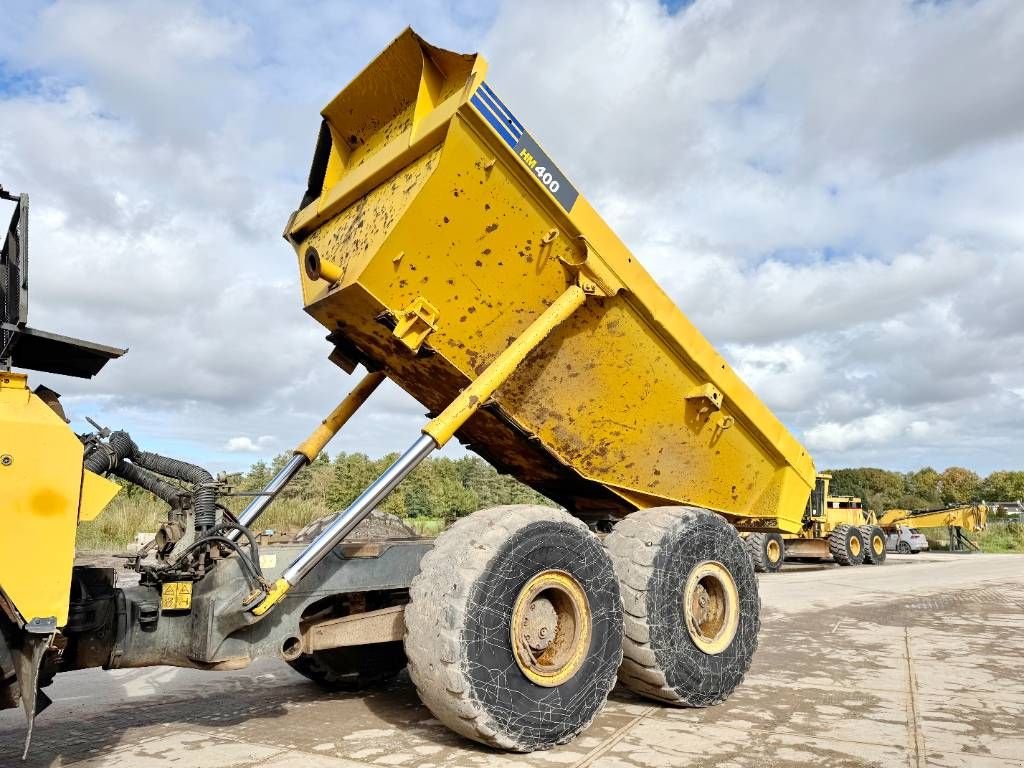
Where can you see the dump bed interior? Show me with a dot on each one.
(453, 230)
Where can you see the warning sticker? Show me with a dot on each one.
(176, 596)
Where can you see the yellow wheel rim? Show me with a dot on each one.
(855, 545)
(877, 544)
(551, 628)
(774, 551)
(711, 606)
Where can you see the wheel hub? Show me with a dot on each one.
(540, 624)
(877, 544)
(711, 606)
(550, 628)
(774, 551)
(855, 545)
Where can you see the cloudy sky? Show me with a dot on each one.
(833, 192)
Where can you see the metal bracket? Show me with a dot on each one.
(47, 626)
(594, 275)
(27, 660)
(383, 625)
(416, 322)
(708, 392)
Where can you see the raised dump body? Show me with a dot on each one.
(443, 230)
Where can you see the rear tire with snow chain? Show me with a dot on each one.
(767, 551)
(873, 538)
(846, 545)
(353, 668)
(692, 610)
(514, 629)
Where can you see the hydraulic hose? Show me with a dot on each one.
(102, 458)
(204, 493)
(151, 482)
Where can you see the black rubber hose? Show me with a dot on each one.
(146, 479)
(204, 494)
(103, 457)
(248, 567)
(99, 459)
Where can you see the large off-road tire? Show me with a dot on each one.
(767, 551)
(526, 572)
(692, 610)
(873, 539)
(376, 525)
(846, 545)
(352, 668)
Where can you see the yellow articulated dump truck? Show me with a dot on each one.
(442, 248)
(834, 528)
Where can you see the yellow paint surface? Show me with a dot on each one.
(41, 485)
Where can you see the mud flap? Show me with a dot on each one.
(27, 660)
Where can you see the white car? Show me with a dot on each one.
(906, 541)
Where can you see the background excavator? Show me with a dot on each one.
(959, 520)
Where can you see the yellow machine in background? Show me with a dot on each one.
(836, 528)
(840, 529)
(958, 520)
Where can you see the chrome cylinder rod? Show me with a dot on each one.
(358, 509)
(261, 502)
(309, 449)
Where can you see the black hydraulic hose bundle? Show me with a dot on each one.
(204, 491)
(120, 456)
(150, 481)
(111, 456)
(250, 563)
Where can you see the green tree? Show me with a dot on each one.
(878, 488)
(1002, 485)
(959, 485)
(924, 485)
(351, 474)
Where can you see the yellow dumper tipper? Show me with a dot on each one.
(436, 229)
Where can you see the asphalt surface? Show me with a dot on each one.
(917, 662)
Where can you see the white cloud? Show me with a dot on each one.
(245, 444)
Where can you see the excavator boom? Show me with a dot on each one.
(969, 517)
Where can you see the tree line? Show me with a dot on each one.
(438, 488)
(925, 488)
(445, 489)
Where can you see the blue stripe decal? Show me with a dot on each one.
(501, 114)
(491, 118)
(501, 104)
(494, 110)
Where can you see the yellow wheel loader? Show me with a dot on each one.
(440, 246)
